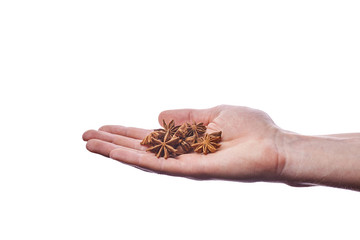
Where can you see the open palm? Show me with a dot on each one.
(248, 149)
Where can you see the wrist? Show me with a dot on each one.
(289, 159)
(282, 140)
(319, 160)
(299, 159)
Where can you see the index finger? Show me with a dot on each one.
(189, 115)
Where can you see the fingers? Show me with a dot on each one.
(113, 138)
(131, 132)
(129, 151)
(188, 115)
(192, 165)
(185, 166)
(100, 147)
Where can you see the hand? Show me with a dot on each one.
(248, 149)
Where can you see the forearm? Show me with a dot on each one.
(320, 160)
(343, 135)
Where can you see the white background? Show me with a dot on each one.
(69, 66)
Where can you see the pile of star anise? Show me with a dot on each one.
(175, 140)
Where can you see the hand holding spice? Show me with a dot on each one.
(252, 148)
(192, 148)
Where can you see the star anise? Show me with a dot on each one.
(208, 143)
(184, 142)
(171, 127)
(185, 145)
(181, 132)
(155, 134)
(196, 129)
(164, 148)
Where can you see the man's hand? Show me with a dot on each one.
(248, 149)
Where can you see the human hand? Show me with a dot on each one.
(248, 149)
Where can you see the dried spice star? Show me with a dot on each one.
(164, 148)
(182, 131)
(196, 129)
(185, 145)
(208, 143)
(155, 134)
(171, 127)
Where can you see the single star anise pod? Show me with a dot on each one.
(208, 143)
(185, 145)
(171, 127)
(164, 148)
(184, 142)
(182, 131)
(155, 134)
(196, 129)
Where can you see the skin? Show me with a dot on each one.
(253, 148)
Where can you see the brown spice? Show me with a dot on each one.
(196, 129)
(148, 139)
(164, 148)
(176, 140)
(208, 143)
(171, 127)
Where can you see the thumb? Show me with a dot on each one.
(188, 115)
